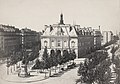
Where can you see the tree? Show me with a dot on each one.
(55, 60)
(87, 75)
(70, 55)
(117, 69)
(51, 60)
(103, 72)
(50, 64)
(38, 65)
(73, 55)
(45, 59)
(15, 57)
(66, 56)
(59, 57)
(113, 50)
(95, 69)
(2, 54)
(52, 55)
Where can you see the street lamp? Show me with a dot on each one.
(23, 71)
(8, 65)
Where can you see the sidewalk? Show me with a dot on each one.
(13, 77)
(35, 76)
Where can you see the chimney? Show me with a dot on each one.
(99, 27)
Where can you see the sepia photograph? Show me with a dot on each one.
(59, 41)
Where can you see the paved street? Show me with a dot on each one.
(68, 77)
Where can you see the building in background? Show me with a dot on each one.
(10, 39)
(85, 41)
(107, 36)
(97, 38)
(30, 42)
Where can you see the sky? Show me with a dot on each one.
(34, 14)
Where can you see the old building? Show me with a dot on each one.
(97, 38)
(63, 36)
(10, 39)
(30, 41)
(60, 36)
(107, 36)
(85, 41)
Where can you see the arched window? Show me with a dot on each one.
(73, 44)
(52, 43)
(45, 43)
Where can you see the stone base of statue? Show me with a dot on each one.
(23, 72)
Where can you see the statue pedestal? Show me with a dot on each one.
(23, 72)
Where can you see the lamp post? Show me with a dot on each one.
(8, 65)
(23, 72)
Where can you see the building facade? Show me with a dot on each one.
(63, 36)
(59, 37)
(107, 36)
(10, 39)
(85, 41)
(30, 42)
(97, 38)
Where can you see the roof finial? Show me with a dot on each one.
(61, 19)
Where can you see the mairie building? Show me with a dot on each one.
(63, 36)
(60, 36)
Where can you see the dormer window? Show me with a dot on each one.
(73, 44)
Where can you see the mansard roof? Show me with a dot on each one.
(97, 32)
(60, 30)
(8, 28)
(85, 31)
